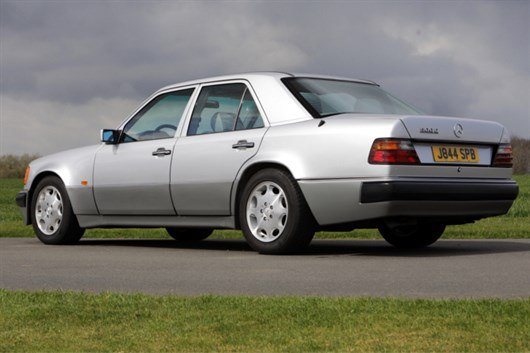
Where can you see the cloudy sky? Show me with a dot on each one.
(70, 68)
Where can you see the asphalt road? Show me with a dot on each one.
(449, 269)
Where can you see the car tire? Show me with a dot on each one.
(289, 227)
(52, 217)
(185, 235)
(414, 236)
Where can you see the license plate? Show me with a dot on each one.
(455, 154)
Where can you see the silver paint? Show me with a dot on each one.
(197, 184)
(128, 179)
(337, 201)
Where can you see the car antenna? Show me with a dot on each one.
(321, 122)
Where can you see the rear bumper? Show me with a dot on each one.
(437, 191)
(22, 202)
(338, 201)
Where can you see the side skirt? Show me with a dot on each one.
(96, 221)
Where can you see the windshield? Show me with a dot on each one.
(326, 97)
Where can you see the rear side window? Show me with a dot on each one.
(159, 119)
(223, 108)
(249, 116)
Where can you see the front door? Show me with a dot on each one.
(225, 130)
(132, 177)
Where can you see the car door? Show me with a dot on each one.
(132, 177)
(225, 130)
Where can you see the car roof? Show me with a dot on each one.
(249, 76)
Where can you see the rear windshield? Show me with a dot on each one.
(326, 97)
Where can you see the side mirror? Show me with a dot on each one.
(110, 136)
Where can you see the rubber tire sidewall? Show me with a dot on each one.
(300, 227)
(425, 235)
(189, 235)
(69, 231)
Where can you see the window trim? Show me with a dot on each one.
(249, 88)
(234, 124)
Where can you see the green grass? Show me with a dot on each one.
(75, 322)
(516, 224)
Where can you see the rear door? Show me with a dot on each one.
(132, 177)
(225, 130)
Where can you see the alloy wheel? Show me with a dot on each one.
(49, 210)
(267, 211)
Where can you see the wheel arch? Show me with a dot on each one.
(36, 180)
(243, 178)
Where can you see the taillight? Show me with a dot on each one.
(503, 157)
(393, 151)
(26, 176)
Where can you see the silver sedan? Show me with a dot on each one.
(278, 156)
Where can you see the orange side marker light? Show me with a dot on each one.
(26, 176)
(84, 182)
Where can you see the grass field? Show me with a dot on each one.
(73, 322)
(516, 224)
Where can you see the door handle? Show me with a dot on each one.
(161, 152)
(243, 144)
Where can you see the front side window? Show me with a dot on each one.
(159, 119)
(222, 108)
(326, 97)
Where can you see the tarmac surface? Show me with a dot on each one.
(448, 269)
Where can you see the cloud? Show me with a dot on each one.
(65, 65)
(44, 126)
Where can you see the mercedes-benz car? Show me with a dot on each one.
(279, 156)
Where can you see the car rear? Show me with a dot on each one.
(457, 170)
(390, 162)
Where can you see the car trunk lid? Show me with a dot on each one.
(453, 130)
(457, 141)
